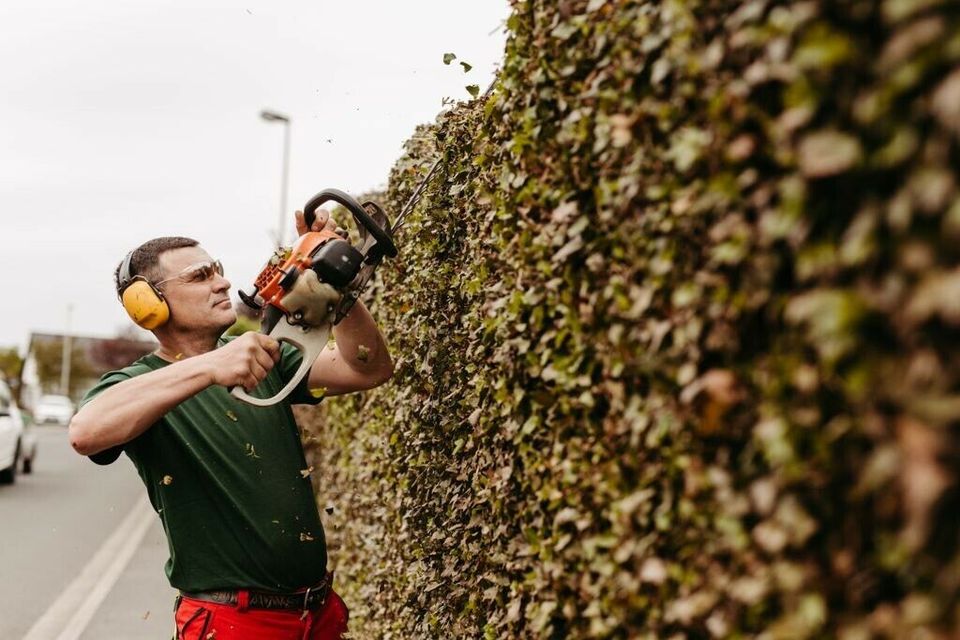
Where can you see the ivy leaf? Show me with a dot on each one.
(473, 90)
(466, 66)
(449, 57)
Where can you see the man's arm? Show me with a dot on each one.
(360, 359)
(127, 409)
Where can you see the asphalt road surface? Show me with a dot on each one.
(81, 552)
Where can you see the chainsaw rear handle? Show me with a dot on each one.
(310, 344)
(385, 244)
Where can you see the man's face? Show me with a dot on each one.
(198, 304)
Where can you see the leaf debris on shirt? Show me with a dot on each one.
(232, 416)
(363, 353)
(251, 451)
(306, 537)
(306, 472)
(318, 392)
(167, 480)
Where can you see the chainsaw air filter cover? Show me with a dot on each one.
(337, 262)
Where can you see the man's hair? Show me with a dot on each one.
(145, 260)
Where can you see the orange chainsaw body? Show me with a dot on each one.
(268, 282)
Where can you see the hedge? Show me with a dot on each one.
(676, 333)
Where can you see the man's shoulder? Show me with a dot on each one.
(143, 365)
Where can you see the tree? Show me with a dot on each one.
(10, 363)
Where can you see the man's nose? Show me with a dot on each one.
(220, 283)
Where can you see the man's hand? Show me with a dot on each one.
(322, 221)
(245, 361)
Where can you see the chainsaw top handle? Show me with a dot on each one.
(385, 244)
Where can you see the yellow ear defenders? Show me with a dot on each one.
(144, 302)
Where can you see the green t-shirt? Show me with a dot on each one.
(225, 478)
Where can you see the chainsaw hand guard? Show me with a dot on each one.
(382, 239)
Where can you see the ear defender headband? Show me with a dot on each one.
(144, 303)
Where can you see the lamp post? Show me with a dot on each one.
(66, 356)
(273, 116)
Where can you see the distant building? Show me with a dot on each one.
(90, 358)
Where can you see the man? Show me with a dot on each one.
(229, 481)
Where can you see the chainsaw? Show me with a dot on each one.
(304, 290)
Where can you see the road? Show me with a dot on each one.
(82, 554)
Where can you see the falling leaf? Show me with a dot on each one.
(449, 57)
(473, 90)
(306, 537)
(363, 353)
(179, 356)
(466, 67)
(318, 392)
(146, 615)
(306, 472)
(167, 480)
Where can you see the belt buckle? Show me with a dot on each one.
(306, 595)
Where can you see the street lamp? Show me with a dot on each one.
(273, 116)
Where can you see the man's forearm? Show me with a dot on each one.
(360, 343)
(127, 409)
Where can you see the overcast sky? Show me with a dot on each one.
(122, 121)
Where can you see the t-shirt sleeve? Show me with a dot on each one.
(290, 359)
(107, 456)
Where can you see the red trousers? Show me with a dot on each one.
(201, 620)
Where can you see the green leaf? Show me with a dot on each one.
(466, 66)
(449, 57)
(473, 90)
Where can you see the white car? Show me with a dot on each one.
(53, 409)
(11, 435)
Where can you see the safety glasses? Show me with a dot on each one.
(200, 272)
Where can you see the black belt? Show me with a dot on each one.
(312, 598)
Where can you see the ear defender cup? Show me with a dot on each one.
(143, 302)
